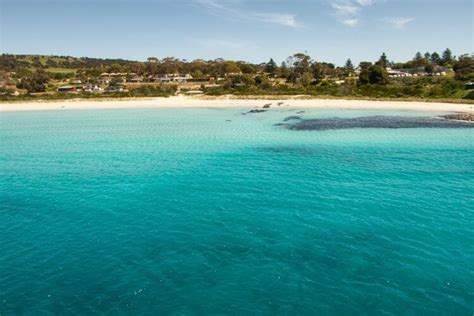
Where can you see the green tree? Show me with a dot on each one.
(436, 59)
(271, 67)
(383, 61)
(378, 75)
(263, 82)
(302, 63)
(349, 67)
(230, 67)
(419, 60)
(364, 72)
(34, 82)
(306, 78)
(373, 74)
(464, 68)
(197, 74)
(283, 71)
(447, 58)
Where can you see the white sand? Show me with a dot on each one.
(224, 102)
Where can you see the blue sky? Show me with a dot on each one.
(251, 30)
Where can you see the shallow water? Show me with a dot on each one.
(208, 211)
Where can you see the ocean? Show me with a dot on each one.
(220, 211)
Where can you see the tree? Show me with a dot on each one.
(429, 68)
(373, 74)
(306, 79)
(263, 82)
(378, 75)
(419, 60)
(271, 67)
(284, 72)
(436, 59)
(230, 67)
(464, 68)
(301, 63)
(447, 58)
(152, 60)
(427, 56)
(34, 82)
(197, 74)
(383, 61)
(364, 72)
(349, 67)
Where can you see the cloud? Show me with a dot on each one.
(348, 12)
(231, 9)
(343, 9)
(399, 22)
(277, 18)
(350, 22)
(365, 2)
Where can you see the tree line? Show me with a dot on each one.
(33, 72)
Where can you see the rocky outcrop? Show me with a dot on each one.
(469, 117)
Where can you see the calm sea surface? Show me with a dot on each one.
(208, 211)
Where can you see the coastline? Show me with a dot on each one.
(233, 102)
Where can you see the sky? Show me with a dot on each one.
(249, 30)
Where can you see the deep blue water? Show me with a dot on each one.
(182, 212)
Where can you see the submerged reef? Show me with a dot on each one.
(391, 122)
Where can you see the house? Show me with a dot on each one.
(394, 73)
(441, 71)
(116, 88)
(135, 79)
(67, 89)
(162, 79)
(104, 80)
(92, 89)
(184, 78)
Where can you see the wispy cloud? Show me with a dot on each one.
(277, 18)
(350, 22)
(399, 22)
(365, 2)
(232, 9)
(345, 8)
(348, 12)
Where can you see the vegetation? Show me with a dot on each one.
(428, 76)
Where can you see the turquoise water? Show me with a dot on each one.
(182, 212)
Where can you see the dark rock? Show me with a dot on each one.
(266, 106)
(300, 112)
(256, 111)
(291, 118)
(391, 122)
(469, 117)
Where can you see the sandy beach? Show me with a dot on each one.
(225, 102)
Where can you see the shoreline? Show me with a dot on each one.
(233, 102)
